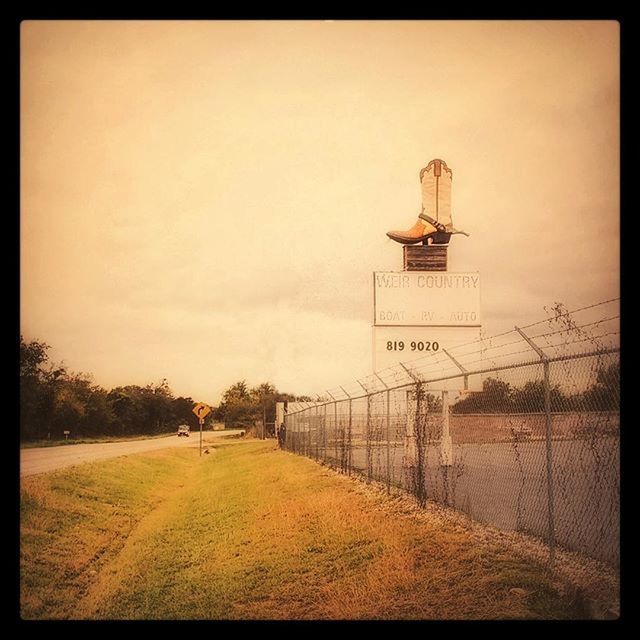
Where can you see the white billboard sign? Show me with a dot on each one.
(392, 345)
(426, 298)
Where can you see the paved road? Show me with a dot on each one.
(43, 459)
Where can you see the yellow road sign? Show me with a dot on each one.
(201, 410)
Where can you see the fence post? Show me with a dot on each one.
(421, 447)
(548, 432)
(367, 432)
(315, 420)
(413, 454)
(465, 373)
(445, 442)
(335, 425)
(302, 437)
(324, 434)
(446, 445)
(301, 433)
(388, 394)
(344, 453)
(309, 420)
(335, 428)
(294, 426)
(349, 435)
(388, 431)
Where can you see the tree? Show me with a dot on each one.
(122, 401)
(243, 407)
(157, 401)
(530, 398)
(99, 418)
(237, 392)
(182, 411)
(68, 408)
(265, 396)
(604, 394)
(238, 407)
(32, 356)
(496, 397)
(144, 410)
(35, 391)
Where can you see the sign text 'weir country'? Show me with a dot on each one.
(426, 299)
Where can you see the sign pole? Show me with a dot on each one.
(202, 411)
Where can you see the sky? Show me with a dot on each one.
(206, 201)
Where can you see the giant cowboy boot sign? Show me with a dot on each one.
(434, 224)
(426, 309)
(425, 312)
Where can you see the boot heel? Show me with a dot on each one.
(441, 237)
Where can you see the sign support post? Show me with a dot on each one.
(202, 411)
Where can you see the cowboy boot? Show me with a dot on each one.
(434, 225)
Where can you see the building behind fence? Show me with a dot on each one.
(520, 431)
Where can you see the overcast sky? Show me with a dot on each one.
(206, 201)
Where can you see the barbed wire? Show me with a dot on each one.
(582, 326)
(510, 331)
(483, 351)
(571, 312)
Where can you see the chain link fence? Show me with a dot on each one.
(520, 431)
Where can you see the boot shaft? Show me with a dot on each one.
(435, 180)
(434, 224)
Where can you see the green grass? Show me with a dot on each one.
(252, 532)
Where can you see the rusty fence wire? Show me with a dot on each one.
(520, 431)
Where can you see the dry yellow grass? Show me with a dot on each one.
(256, 533)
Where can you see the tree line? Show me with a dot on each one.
(248, 408)
(498, 396)
(54, 399)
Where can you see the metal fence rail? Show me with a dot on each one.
(520, 431)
